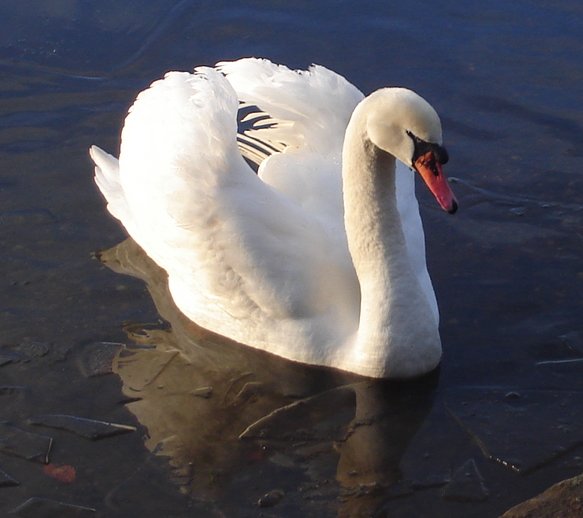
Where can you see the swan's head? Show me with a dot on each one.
(405, 125)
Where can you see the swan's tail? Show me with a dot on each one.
(108, 180)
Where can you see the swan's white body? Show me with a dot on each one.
(320, 258)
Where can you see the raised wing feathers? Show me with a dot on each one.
(309, 109)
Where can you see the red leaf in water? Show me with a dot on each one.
(63, 473)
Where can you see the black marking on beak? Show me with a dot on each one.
(421, 147)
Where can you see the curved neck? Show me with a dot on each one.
(397, 334)
(373, 225)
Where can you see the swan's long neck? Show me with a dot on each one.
(397, 334)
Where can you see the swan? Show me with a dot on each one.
(319, 256)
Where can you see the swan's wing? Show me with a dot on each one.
(242, 259)
(304, 112)
(309, 109)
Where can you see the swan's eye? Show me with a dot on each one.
(440, 154)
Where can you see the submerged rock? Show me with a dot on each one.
(26, 445)
(203, 392)
(35, 507)
(32, 349)
(96, 359)
(88, 428)
(270, 499)
(499, 421)
(24, 352)
(467, 484)
(12, 390)
(6, 480)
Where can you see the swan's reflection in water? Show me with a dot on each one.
(219, 410)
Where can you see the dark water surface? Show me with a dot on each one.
(210, 428)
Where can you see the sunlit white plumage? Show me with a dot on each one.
(265, 259)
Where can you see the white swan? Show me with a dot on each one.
(320, 258)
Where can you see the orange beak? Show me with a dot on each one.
(430, 170)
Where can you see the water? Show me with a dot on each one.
(507, 269)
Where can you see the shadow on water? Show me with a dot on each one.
(234, 421)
